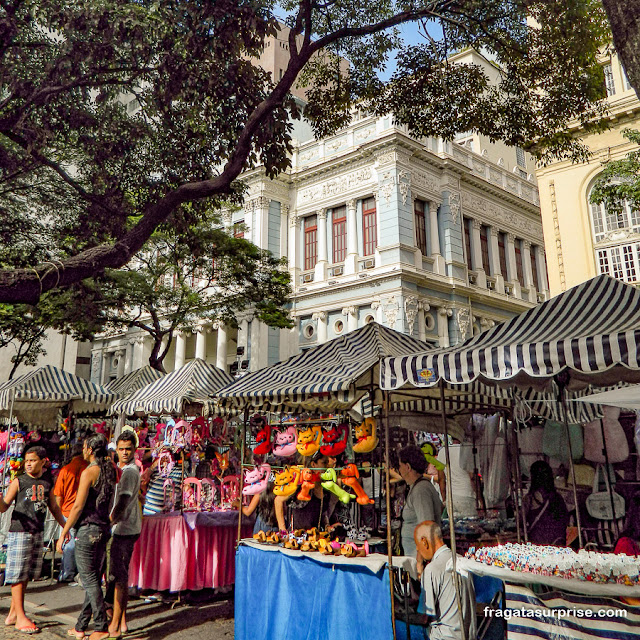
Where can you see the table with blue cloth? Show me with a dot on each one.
(287, 595)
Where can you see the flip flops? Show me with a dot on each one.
(30, 630)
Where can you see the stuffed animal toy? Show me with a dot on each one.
(349, 476)
(264, 441)
(287, 481)
(284, 442)
(309, 441)
(309, 479)
(367, 436)
(255, 480)
(427, 449)
(334, 441)
(329, 478)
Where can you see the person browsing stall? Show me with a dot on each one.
(65, 492)
(32, 495)
(422, 501)
(438, 599)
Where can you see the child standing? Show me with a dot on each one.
(32, 495)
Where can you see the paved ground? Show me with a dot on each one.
(55, 607)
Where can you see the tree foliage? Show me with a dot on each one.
(116, 114)
(618, 183)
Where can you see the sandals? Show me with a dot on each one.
(30, 630)
(72, 633)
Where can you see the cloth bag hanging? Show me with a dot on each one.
(599, 502)
(554, 441)
(617, 445)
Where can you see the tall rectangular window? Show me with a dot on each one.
(621, 261)
(609, 84)
(339, 224)
(534, 268)
(310, 242)
(520, 158)
(467, 242)
(519, 271)
(502, 254)
(484, 249)
(627, 84)
(369, 226)
(421, 226)
(238, 229)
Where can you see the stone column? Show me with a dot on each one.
(352, 317)
(443, 326)
(541, 262)
(201, 342)
(128, 359)
(221, 346)
(120, 354)
(351, 261)
(434, 233)
(284, 216)
(138, 353)
(494, 256)
(106, 355)
(323, 261)
(476, 254)
(294, 249)
(423, 308)
(181, 348)
(96, 365)
(512, 270)
(321, 318)
(259, 236)
(527, 271)
(376, 307)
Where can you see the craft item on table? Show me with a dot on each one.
(334, 441)
(367, 436)
(223, 462)
(309, 440)
(287, 481)
(353, 533)
(229, 491)
(255, 480)
(168, 495)
(263, 438)
(208, 498)
(429, 454)
(309, 479)
(191, 494)
(561, 562)
(330, 478)
(284, 442)
(349, 476)
(615, 439)
(165, 463)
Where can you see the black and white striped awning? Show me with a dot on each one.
(35, 396)
(194, 383)
(133, 381)
(329, 377)
(591, 331)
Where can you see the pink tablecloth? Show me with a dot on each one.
(172, 556)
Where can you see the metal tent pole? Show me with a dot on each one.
(449, 498)
(513, 485)
(244, 439)
(608, 479)
(519, 482)
(6, 455)
(385, 409)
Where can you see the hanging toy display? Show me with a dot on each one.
(255, 480)
(367, 436)
(309, 479)
(349, 476)
(334, 441)
(329, 478)
(263, 438)
(284, 442)
(287, 481)
(309, 440)
(427, 449)
(14, 453)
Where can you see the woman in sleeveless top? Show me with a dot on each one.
(90, 517)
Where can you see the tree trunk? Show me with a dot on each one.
(155, 362)
(624, 18)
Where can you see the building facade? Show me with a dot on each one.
(582, 240)
(427, 237)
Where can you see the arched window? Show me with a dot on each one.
(617, 251)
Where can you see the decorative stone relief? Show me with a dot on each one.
(335, 186)
(96, 365)
(386, 157)
(309, 154)
(454, 205)
(404, 184)
(350, 311)
(410, 312)
(463, 318)
(424, 181)
(319, 315)
(390, 309)
(363, 134)
(386, 190)
(294, 220)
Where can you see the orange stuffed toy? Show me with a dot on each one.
(309, 440)
(367, 436)
(349, 476)
(287, 481)
(309, 479)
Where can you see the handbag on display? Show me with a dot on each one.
(616, 440)
(599, 502)
(554, 441)
(585, 475)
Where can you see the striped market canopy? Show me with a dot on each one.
(38, 394)
(329, 377)
(133, 381)
(194, 383)
(591, 331)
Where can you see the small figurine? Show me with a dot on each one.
(191, 494)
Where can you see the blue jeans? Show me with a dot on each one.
(91, 548)
(69, 568)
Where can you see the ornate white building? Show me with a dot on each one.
(436, 239)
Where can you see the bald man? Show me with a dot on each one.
(438, 597)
